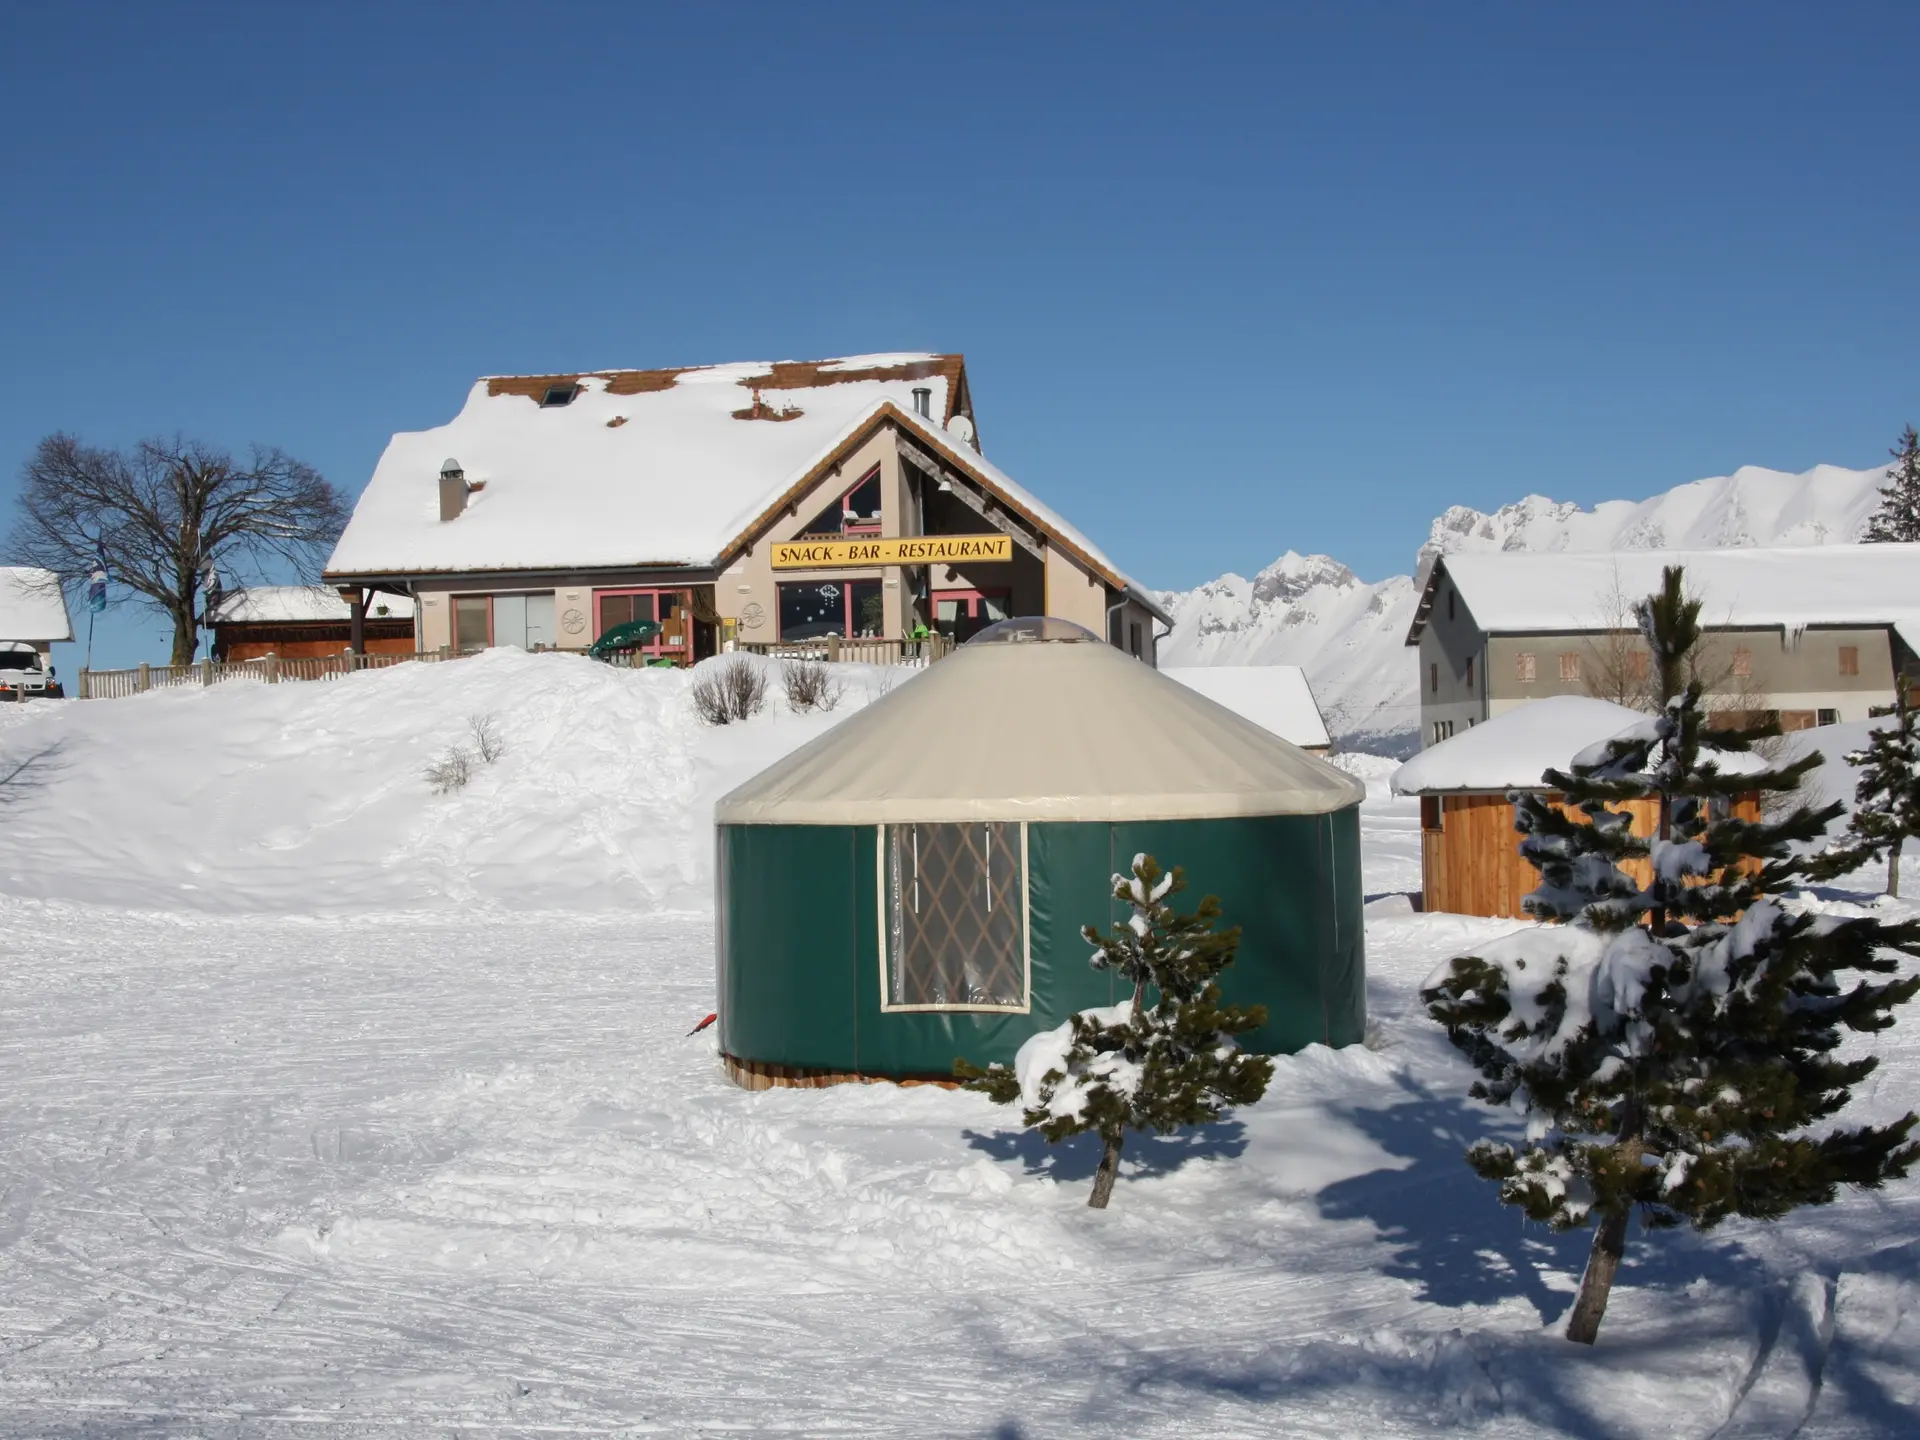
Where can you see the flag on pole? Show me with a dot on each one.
(97, 589)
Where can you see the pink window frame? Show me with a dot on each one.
(846, 600)
(973, 596)
(655, 646)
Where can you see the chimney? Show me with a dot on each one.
(453, 490)
(923, 401)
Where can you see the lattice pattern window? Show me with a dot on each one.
(955, 917)
(1525, 668)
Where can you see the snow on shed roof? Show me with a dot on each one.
(1791, 587)
(295, 604)
(641, 467)
(1512, 751)
(1275, 697)
(1065, 745)
(32, 605)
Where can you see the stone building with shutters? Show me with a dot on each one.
(1815, 635)
(758, 505)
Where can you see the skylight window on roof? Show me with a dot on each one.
(558, 395)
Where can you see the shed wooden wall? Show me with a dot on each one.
(1471, 865)
(302, 640)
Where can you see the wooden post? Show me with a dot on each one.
(83, 685)
(833, 647)
(206, 671)
(273, 667)
(146, 677)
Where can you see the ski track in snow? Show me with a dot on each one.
(460, 1171)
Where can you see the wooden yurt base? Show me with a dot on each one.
(760, 1075)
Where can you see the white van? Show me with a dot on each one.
(25, 673)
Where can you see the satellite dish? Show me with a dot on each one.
(961, 428)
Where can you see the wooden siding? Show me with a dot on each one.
(1471, 865)
(237, 640)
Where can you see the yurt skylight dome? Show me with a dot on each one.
(1035, 629)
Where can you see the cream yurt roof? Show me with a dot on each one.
(1049, 729)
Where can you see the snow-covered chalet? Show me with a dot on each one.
(749, 504)
(1814, 635)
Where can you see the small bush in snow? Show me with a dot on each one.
(733, 690)
(451, 770)
(487, 742)
(1673, 1044)
(1135, 1066)
(809, 685)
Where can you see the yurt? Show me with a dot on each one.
(910, 887)
(1469, 852)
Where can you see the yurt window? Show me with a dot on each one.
(954, 918)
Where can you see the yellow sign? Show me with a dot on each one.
(890, 550)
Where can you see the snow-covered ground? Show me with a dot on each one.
(427, 1155)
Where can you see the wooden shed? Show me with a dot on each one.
(1469, 851)
(299, 621)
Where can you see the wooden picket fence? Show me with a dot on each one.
(272, 669)
(268, 670)
(854, 652)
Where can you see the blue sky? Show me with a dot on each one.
(1230, 279)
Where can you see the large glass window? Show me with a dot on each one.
(855, 513)
(617, 610)
(955, 917)
(671, 608)
(470, 630)
(522, 620)
(814, 609)
(960, 614)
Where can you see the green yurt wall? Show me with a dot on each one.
(800, 956)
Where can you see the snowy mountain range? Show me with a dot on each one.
(1348, 633)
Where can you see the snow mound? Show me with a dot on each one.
(1274, 697)
(312, 797)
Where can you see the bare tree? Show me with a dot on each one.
(23, 777)
(169, 516)
(1618, 668)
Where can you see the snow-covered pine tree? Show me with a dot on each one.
(1886, 798)
(1155, 1065)
(1672, 1044)
(1898, 517)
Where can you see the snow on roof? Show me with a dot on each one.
(294, 604)
(1275, 697)
(1788, 587)
(32, 606)
(1512, 751)
(648, 467)
(640, 467)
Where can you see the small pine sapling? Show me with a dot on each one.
(1886, 798)
(1898, 517)
(1157, 1064)
(1672, 1044)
